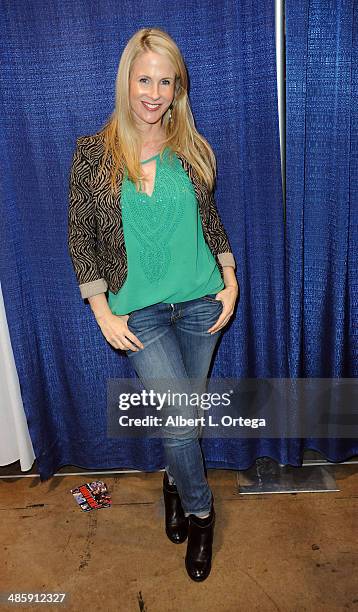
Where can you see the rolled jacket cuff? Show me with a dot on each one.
(93, 288)
(227, 259)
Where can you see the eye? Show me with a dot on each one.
(166, 82)
(143, 79)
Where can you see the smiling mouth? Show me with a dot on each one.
(151, 107)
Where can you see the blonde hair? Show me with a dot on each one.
(121, 137)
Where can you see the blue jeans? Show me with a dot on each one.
(178, 347)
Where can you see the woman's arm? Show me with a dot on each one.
(82, 227)
(99, 306)
(221, 246)
(229, 277)
(228, 296)
(113, 327)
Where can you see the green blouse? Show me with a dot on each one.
(168, 258)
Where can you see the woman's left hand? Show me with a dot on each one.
(228, 297)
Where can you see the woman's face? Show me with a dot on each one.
(151, 88)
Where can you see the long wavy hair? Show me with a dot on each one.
(121, 137)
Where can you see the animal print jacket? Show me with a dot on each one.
(95, 231)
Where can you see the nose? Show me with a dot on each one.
(155, 91)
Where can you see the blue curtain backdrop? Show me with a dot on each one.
(59, 66)
(322, 189)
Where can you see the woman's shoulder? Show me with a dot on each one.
(91, 139)
(91, 145)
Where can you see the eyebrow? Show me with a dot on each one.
(148, 77)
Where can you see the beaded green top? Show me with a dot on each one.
(167, 256)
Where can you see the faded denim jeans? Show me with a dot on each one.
(178, 347)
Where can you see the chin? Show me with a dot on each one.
(147, 117)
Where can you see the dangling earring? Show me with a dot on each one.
(170, 114)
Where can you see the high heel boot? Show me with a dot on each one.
(176, 523)
(199, 547)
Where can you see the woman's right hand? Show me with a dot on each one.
(115, 330)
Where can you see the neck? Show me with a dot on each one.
(151, 134)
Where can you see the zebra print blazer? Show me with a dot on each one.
(95, 231)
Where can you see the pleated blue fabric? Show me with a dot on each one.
(322, 204)
(59, 66)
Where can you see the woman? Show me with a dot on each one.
(143, 225)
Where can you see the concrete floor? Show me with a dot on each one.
(289, 552)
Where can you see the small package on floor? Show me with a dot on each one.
(92, 495)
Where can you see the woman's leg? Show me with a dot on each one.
(162, 360)
(193, 319)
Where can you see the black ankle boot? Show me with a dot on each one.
(199, 548)
(176, 523)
